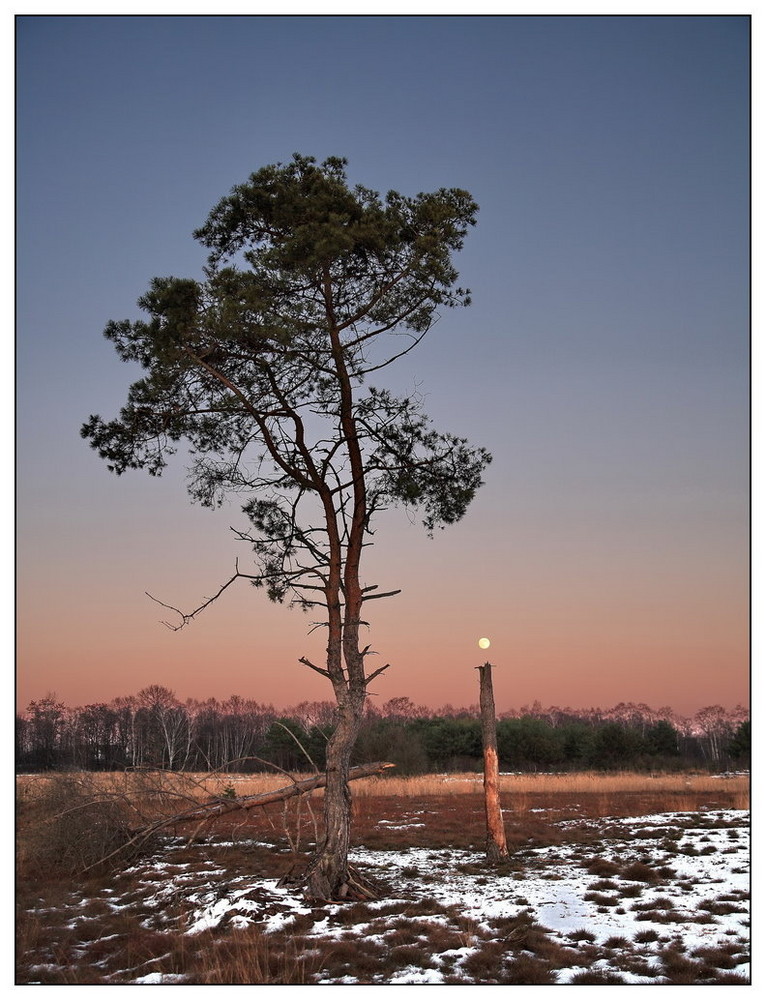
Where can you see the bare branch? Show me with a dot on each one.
(306, 754)
(375, 673)
(306, 662)
(186, 617)
(374, 597)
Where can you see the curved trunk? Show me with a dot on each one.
(328, 876)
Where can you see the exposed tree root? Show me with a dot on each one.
(353, 887)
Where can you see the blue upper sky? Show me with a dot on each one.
(604, 361)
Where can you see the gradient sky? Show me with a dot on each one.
(604, 362)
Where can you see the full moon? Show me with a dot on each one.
(484, 643)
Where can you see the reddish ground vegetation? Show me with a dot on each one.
(69, 932)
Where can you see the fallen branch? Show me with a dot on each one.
(221, 806)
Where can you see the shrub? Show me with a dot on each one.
(72, 827)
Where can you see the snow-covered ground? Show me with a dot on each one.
(676, 881)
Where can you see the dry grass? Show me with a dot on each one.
(69, 934)
(188, 788)
(531, 803)
(576, 783)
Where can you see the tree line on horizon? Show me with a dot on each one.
(155, 729)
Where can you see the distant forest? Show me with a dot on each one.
(155, 729)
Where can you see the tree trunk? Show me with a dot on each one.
(329, 875)
(497, 849)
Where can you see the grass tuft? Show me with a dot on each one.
(640, 872)
(597, 977)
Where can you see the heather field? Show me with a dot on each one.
(613, 879)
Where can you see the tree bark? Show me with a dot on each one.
(497, 849)
(328, 875)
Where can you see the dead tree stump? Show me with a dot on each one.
(497, 849)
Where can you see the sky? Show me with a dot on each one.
(604, 361)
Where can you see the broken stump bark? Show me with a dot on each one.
(497, 849)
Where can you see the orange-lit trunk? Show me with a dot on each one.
(497, 849)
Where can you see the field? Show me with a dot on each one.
(612, 879)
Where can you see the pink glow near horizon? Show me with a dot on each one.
(551, 642)
(604, 361)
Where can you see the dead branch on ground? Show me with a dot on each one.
(220, 806)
